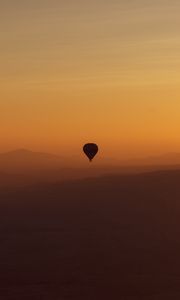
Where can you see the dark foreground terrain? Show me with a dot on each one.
(108, 238)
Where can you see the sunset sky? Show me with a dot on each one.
(73, 71)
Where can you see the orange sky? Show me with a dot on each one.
(77, 71)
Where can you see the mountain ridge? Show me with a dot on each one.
(23, 153)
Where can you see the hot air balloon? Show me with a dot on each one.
(90, 150)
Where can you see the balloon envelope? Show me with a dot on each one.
(90, 150)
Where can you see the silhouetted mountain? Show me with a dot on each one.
(23, 160)
(115, 237)
(23, 167)
(26, 154)
(25, 157)
(159, 160)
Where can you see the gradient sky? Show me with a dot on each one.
(73, 71)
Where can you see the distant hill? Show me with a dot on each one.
(18, 160)
(164, 159)
(32, 159)
(27, 154)
(23, 166)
